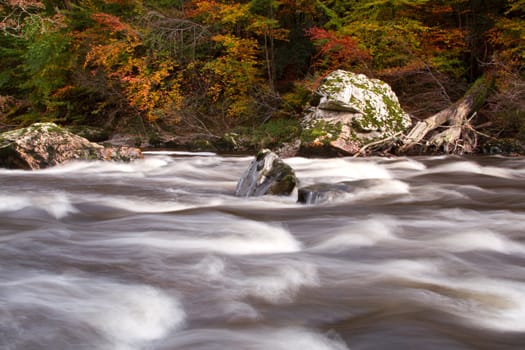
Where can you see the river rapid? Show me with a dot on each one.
(158, 254)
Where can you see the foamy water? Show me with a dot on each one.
(425, 253)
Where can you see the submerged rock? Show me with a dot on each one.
(330, 192)
(352, 111)
(42, 145)
(323, 192)
(267, 174)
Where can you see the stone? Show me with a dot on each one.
(322, 192)
(352, 111)
(329, 192)
(266, 174)
(504, 146)
(43, 145)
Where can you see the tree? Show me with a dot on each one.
(145, 79)
(337, 51)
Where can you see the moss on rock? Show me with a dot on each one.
(266, 174)
(43, 145)
(353, 110)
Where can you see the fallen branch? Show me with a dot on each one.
(456, 116)
(378, 142)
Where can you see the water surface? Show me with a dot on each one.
(428, 253)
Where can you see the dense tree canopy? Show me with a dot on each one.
(213, 66)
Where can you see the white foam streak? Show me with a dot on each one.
(336, 170)
(135, 169)
(277, 281)
(407, 164)
(128, 315)
(56, 204)
(10, 203)
(258, 339)
(240, 238)
(364, 234)
(478, 240)
(143, 205)
(489, 303)
(381, 188)
(471, 167)
(282, 285)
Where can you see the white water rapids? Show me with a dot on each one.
(158, 254)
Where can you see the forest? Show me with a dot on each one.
(209, 68)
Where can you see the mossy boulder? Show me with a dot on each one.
(267, 174)
(352, 110)
(42, 145)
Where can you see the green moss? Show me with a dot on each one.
(200, 145)
(271, 134)
(323, 131)
(261, 154)
(285, 177)
(39, 127)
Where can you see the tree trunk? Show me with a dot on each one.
(456, 117)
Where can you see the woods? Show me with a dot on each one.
(215, 68)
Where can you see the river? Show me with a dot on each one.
(158, 254)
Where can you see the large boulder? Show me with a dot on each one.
(43, 145)
(267, 174)
(351, 111)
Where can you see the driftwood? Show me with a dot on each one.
(458, 135)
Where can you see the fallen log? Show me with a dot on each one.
(457, 136)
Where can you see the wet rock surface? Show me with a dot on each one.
(266, 174)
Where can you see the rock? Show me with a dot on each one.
(352, 111)
(42, 145)
(267, 174)
(504, 146)
(289, 149)
(121, 154)
(328, 192)
(323, 192)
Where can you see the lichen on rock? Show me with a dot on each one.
(364, 110)
(42, 145)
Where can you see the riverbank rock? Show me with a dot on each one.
(350, 111)
(503, 146)
(267, 174)
(42, 145)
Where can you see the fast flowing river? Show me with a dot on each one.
(159, 255)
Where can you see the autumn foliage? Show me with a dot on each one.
(336, 50)
(211, 66)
